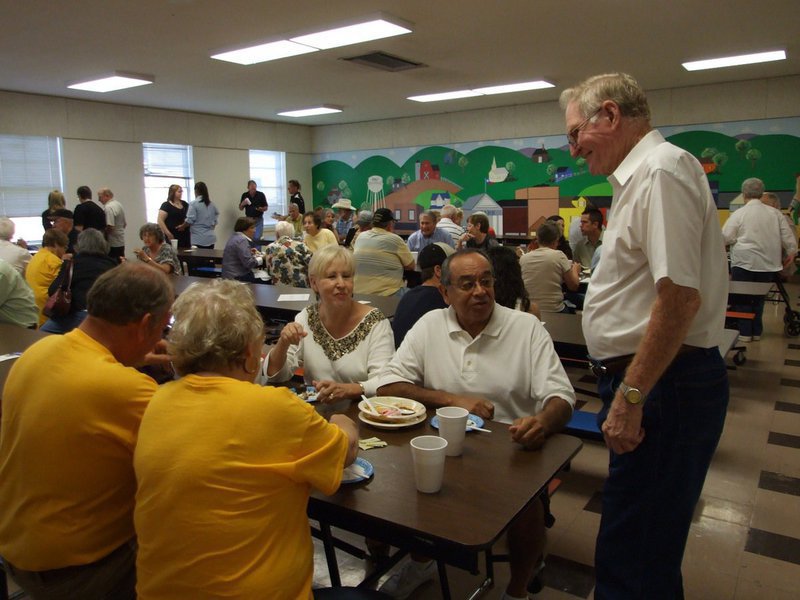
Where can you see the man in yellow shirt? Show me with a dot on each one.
(71, 409)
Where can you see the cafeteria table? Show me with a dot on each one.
(15, 339)
(484, 489)
(268, 302)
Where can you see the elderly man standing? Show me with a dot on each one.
(67, 441)
(471, 352)
(115, 223)
(653, 319)
(254, 204)
(428, 233)
(381, 256)
(757, 234)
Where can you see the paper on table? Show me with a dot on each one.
(293, 297)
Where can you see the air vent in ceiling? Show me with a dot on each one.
(384, 61)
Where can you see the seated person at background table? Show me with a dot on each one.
(202, 218)
(16, 254)
(447, 224)
(44, 267)
(563, 244)
(286, 258)
(91, 261)
(762, 244)
(340, 343)
(425, 297)
(66, 503)
(592, 231)
(239, 258)
(545, 269)
(294, 218)
(427, 233)
(156, 252)
(317, 236)
(363, 223)
(17, 306)
(235, 496)
(509, 289)
(381, 257)
(471, 352)
(477, 235)
(63, 220)
(327, 222)
(344, 219)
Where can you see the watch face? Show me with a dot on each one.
(633, 396)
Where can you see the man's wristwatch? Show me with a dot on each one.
(632, 395)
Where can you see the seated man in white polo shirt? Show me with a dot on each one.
(476, 350)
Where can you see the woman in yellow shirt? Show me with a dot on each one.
(224, 467)
(44, 267)
(316, 235)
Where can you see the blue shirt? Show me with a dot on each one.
(202, 219)
(417, 241)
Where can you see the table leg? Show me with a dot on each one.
(443, 582)
(330, 554)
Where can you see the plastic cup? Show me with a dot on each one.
(174, 243)
(428, 452)
(452, 427)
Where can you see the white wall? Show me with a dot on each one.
(102, 146)
(738, 101)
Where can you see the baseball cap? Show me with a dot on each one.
(382, 216)
(63, 212)
(433, 255)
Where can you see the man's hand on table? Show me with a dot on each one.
(529, 431)
(477, 406)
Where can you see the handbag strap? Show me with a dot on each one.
(68, 281)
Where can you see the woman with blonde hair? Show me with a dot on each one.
(340, 343)
(229, 464)
(55, 201)
(172, 217)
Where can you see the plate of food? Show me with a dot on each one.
(369, 420)
(473, 421)
(390, 409)
(360, 470)
(310, 395)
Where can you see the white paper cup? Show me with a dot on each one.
(452, 427)
(428, 452)
(174, 243)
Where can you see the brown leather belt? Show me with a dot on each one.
(618, 364)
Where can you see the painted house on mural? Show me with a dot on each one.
(425, 170)
(439, 199)
(485, 204)
(540, 155)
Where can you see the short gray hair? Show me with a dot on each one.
(284, 229)
(7, 229)
(771, 199)
(128, 292)
(620, 88)
(214, 325)
(548, 232)
(448, 211)
(326, 256)
(752, 187)
(446, 265)
(91, 241)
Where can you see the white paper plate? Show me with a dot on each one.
(381, 402)
(364, 418)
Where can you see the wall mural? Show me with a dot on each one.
(517, 182)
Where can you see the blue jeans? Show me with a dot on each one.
(64, 324)
(651, 493)
(259, 228)
(753, 304)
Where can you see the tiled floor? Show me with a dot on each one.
(744, 543)
(745, 540)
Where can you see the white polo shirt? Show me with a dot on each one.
(757, 233)
(662, 223)
(512, 362)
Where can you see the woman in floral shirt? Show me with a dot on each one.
(287, 259)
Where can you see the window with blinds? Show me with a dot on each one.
(30, 168)
(165, 165)
(268, 170)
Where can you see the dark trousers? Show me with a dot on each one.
(117, 252)
(753, 304)
(651, 493)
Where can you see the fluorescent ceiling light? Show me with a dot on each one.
(515, 87)
(497, 89)
(352, 34)
(111, 83)
(732, 61)
(310, 112)
(264, 52)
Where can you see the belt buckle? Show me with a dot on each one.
(597, 368)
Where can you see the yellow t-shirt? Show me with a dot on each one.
(71, 413)
(41, 272)
(224, 469)
(324, 237)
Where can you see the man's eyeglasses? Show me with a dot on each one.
(572, 135)
(468, 285)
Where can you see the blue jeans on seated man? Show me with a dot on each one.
(753, 304)
(651, 493)
(64, 324)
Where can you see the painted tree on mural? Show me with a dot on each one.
(742, 146)
(463, 161)
(551, 171)
(580, 164)
(753, 156)
(720, 158)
